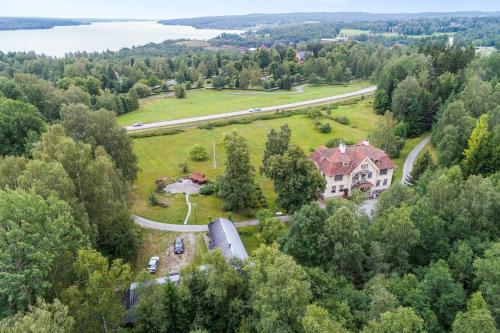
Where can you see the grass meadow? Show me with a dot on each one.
(206, 102)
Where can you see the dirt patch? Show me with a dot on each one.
(173, 263)
(161, 244)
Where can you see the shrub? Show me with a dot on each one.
(334, 142)
(142, 89)
(154, 132)
(342, 120)
(198, 153)
(325, 128)
(189, 85)
(153, 199)
(313, 113)
(179, 91)
(401, 130)
(184, 167)
(208, 189)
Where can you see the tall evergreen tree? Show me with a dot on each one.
(423, 163)
(477, 156)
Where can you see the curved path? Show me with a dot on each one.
(412, 156)
(148, 224)
(247, 112)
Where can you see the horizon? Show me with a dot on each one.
(245, 14)
(127, 9)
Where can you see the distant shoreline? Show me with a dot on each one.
(40, 23)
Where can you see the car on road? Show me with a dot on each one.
(153, 264)
(254, 110)
(139, 124)
(179, 246)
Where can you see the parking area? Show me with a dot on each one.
(183, 186)
(161, 244)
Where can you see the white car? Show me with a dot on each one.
(139, 124)
(153, 264)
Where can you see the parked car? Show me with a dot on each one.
(179, 246)
(153, 264)
(139, 124)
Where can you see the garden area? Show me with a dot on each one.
(206, 102)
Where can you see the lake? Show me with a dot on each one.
(100, 36)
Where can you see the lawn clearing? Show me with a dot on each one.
(160, 157)
(206, 102)
(358, 32)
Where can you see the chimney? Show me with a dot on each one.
(366, 142)
(342, 147)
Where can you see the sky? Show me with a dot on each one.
(165, 9)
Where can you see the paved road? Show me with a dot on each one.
(247, 112)
(148, 224)
(412, 156)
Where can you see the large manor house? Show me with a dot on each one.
(357, 166)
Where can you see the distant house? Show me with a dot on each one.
(301, 56)
(348, 167)
(198, 178)
(223, 235)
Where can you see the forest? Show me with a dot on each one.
(427, 262)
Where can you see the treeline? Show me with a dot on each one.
(480, 31)
(115, 81)
(22, 23)
(253, 20)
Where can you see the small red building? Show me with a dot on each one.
(198, 178)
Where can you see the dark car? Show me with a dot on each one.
(179, 246)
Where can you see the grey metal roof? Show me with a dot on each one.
(223, 234)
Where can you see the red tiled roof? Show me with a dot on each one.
(331, 161)
(196, 176)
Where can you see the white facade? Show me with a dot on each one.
(366, 171)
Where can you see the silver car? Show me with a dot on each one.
(153, 264)
(139, 124)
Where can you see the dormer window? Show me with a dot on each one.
(383, 172)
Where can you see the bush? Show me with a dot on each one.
(154, 132)
(401, 130)
(342, 120)
(208, 189)
(153, 199)
(198, 153)
(334, 142)
(189, 85)
(142, 89)
(325, 128)
(313, 113)
(179, 91)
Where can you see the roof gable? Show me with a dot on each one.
(334, 161)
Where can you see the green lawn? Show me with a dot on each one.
(160, 157)
(207, 102)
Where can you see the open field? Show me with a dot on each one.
(161, 156)
(357, 32)
(208, 102)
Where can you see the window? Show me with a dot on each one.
(339, 178)
(383, 172)
(364, 166)
(377, 183)
(363, 176)
(369, 175)
(385, 182)
(341, 188)
(334, 189)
